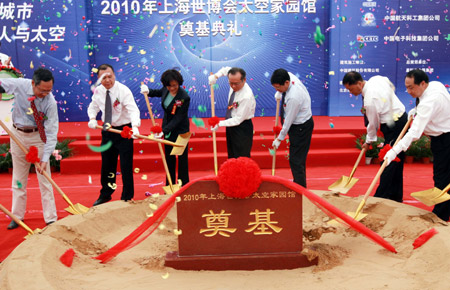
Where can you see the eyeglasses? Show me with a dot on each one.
(44, 92)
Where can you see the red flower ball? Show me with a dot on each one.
(156, 129)
(277, 130)
(213, 121)
(239, 178)
(383, 152)
(126, 132)
(32, 155)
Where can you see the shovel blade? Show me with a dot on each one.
(182, 139)
(335, 222)
(431, 196)
(77, 209)
(343, 185)
(175, 187)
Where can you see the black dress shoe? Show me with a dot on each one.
(49, 223)
(101, 200)
(12, 225)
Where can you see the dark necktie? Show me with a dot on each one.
(283, 96)
(366, 121)
(230, 106)
(38, 122)
(108, 111)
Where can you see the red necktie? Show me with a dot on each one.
(38, 122)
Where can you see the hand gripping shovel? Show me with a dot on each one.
(19, 222)
(73, 208)
(432, 196)
(171, 188)
(345, 183)
(274, 157)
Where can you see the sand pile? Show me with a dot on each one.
(347, 260)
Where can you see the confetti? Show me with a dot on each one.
(112, 185)
(165, 276)
(318, 36)
(111, 175)
(90, 179)
(153, 206)
(30, 111)
(144, 177)
(178, 199)
(161, 227)
(149, 214)
(272, 152)
(331, 125)
(19, 184)
(198, 122)
(177, 232)
(147, 193)
(202, 108)
(153, 31)
(136, 170)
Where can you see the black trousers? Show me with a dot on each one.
(240, 139)
(440, 146)
(299, 143)
(183, 168)
(391, 180)
(120, 147)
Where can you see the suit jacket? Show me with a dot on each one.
(176, 120)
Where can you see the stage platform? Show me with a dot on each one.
(333, 143)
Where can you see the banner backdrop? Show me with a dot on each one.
(142, 39)
(387, 38)
(317, 40)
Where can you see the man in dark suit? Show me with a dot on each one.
(175, 104)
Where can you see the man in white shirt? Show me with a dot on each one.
(383, 110)
(432, 119)
(240, 111)
(297, 120)
(116, 98)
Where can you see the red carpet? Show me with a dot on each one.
(319, 175)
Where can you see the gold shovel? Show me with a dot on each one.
(19, 222)
(73, 208)
(344, 184)
(432, 196)
(171, 188)
(358, 215)
(383, 166)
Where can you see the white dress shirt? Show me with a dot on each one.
(124, 109)
(432, 117)
(22, 89)
(245, 110)
(382, 105)
(297, 105)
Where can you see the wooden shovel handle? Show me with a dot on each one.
(213, 114)
(361, 154)
(383, 166)
(161, 151)
(274, 157)
(36, 164)
(14, 218)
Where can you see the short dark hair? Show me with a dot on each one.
(235, 70)
(280, 76)
(104, 66)
(42, 74)
(418, 75)
(171, 75)
(352, 78)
